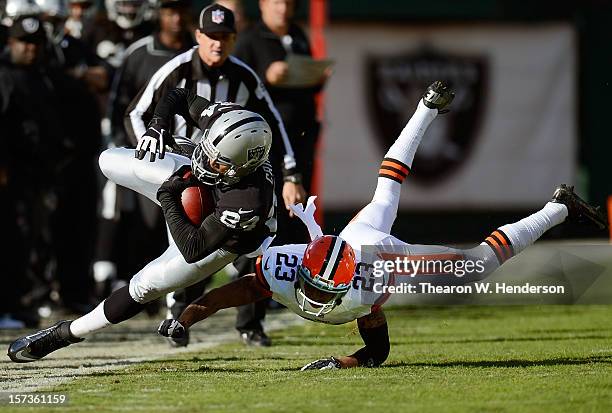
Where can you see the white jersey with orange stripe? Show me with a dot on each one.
(277, 270)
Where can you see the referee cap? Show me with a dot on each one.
(217, 19)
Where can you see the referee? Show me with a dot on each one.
(210, 71)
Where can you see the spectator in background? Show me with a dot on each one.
(112, 33)
(133, 231)
(80, 13)
(50, 120)
(265, 47)
(68, 52)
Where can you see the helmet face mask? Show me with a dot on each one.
(323, 301)
(238, 139)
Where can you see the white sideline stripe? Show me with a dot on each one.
(203, 89)
(221, 90)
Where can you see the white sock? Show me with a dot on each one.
(91, 322)
(526, 231)
(405, 146)
(395, 167)
(398, 159)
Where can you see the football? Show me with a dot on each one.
(197, 202)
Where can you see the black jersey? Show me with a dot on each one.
(244, 214)
(247, 209)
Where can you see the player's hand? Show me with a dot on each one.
(277, 72)
(307, 216)
(293, 194)
(172, 328)
(176, 184)
(330, 363)
(154, 140)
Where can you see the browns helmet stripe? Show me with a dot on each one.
(328, 255)
(337, 260)
(332, 258)
(236, 126)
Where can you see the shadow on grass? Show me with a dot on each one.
(216, 359)
(507, 339)
(508, 363)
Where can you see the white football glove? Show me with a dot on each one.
(154, 140)
(330, 363)
(307, 217)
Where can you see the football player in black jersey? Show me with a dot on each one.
(232, 158)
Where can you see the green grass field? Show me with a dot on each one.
(548, 358)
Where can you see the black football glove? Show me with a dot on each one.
(330, 363)
(172, 328)
(154, 140)
(176, 184)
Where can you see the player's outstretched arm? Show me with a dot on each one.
(245, 290)
(375, 335)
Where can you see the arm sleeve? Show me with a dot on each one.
(193, 242)
(377, 345)
(182, 102)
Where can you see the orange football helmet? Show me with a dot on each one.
(325, 274)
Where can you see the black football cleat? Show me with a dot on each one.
(577, 208)
(438, 96)
(36, 346)
(255, 338)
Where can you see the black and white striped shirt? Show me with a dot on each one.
(234, 81)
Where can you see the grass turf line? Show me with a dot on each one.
(549, 358)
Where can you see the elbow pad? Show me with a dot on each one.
(376, 348)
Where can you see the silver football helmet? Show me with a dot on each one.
(127, 13)
(240, 139)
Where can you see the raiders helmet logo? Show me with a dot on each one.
(255, 154)
(396, 82)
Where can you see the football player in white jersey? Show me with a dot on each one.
(328, 280)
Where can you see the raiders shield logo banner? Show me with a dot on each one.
(395, 83)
